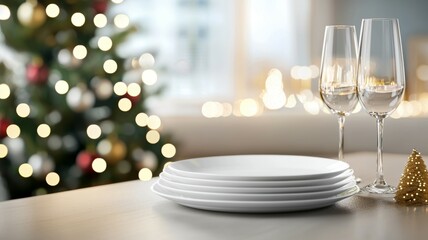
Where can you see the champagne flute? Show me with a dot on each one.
(338, 78)
(381, 82)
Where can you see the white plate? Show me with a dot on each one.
(259, 167)
(255, 206)
(252, 196)
(167, 173)
(257, 186)
(253, 189)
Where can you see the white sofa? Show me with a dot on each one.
(291, 133)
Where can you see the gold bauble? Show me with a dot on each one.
(118, 151)
(31, 14)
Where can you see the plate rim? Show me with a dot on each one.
(343, 166)
(258, 206)
(289, 183)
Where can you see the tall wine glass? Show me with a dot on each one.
(338, 78)
(381, 82)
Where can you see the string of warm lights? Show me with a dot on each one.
(81, 98)
(273, 96)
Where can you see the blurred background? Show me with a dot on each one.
(102, 91)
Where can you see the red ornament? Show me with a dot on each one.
(37, 73)
(100, 6)
(133, 99)
(4, 123)
(84, 160)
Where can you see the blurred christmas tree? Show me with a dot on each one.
(74, 116)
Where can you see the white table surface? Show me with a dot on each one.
(131, 211)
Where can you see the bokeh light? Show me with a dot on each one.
(43, 130)
(78, 19)
(93, 131)
(124, 104)
(103, 88)
(105, 43)
(422, 72)
(274, 95)
(154, 122)
(212, 109)
(142, 119)
(110, 66)
(153, 136)
(120, 88)
(25, 170)
(274, 99)
(104, 147)
(304, 72)
(100, 20)
(134, 89)
(168, 150)
(99, 165)
(291, 101)
(274, 80)
(249, 107)
(52, 179)
(145, 174)
(64, 57)
(4, 91)
(13, 131)
(4, 12)
(3, 150)
(121, 21)
(149, 77)
(61, 87)
(146, 60)
(23, 110)
(52, 10)
(80, 52)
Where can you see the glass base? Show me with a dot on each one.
(381, 190)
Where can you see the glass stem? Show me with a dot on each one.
(341, 120)
(379, 175)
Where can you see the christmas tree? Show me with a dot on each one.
(413, 188)
(74, 114)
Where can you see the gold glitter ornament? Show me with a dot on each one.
(412, 188)
(31, 14)
(117, 152)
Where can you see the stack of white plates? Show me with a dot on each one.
(256, 183)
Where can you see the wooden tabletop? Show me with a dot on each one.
(131, 211)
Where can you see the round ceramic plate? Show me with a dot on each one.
(295, 185)
(259, 167)
(254, 206)
(252, 187)
(253, 196)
